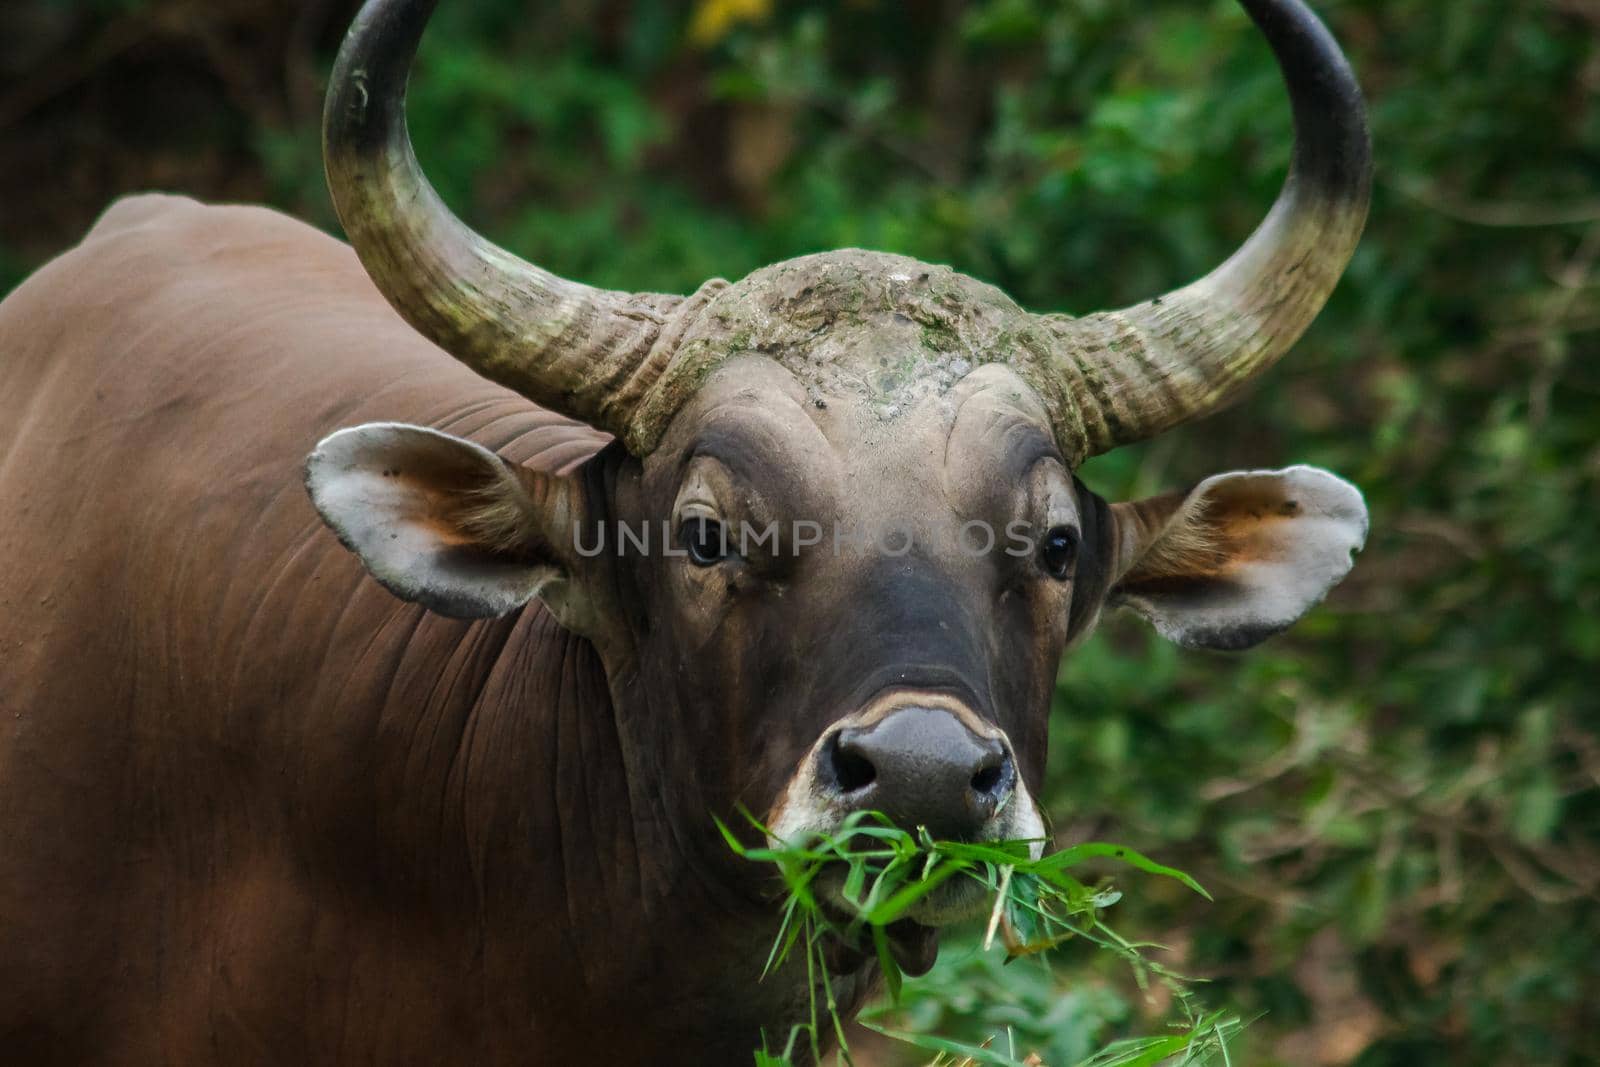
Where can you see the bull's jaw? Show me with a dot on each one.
(913, 946)
(913, 940)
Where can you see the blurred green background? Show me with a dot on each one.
(1396, 805)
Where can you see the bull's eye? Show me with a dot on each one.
(706, 540)
(1058, 550)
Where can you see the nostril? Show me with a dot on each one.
(851, 770)
(993, 778)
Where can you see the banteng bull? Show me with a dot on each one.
(256, 809)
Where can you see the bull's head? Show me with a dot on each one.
(876, 548)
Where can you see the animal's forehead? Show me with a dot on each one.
(886, 331)
(756, 418)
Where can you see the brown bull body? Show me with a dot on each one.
(252, 807)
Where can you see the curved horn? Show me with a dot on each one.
(1134, 373)
(588, 353)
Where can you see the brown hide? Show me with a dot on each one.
(253, 809)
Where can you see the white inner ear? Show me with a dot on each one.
(1277, 542)
(395, 495)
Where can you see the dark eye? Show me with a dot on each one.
(1058, 550)
(706, 540)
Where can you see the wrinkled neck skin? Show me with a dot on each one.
(708, 916)
(568, 826)
(653, 898)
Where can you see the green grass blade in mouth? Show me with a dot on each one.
(909, 894)
(891, 972)
(1067, 857)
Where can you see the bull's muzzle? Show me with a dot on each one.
(920, 766)
(924, 759)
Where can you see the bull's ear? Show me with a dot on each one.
(442, 521)
(1239, 557)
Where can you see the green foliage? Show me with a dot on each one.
(856, 884)
(1398, 803)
